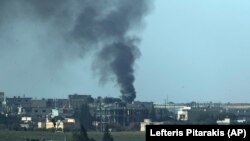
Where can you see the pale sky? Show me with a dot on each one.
(190, 51)
(196, 50)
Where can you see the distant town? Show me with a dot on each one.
(27, 113)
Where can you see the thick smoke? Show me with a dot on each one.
(103, 26)
(119, 58)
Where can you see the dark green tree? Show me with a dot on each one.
(83, 116)
(152, 114)
(82, 136)
(106, 135)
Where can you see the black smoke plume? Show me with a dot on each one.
(103, 26)
(119, 58)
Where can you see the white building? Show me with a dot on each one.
(182, 113)
(226, 121)
(148, 122)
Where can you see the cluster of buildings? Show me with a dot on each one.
(61, 113)
(38, 113)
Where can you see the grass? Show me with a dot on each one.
(21, 135)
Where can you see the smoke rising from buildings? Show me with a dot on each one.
(58, 30)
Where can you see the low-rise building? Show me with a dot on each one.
(148, 122)
(182, 113)
(39, 103)
(15, 102)
(77, 100)
(225, 121)
(26, 122)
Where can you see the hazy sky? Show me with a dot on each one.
(190, 51)
(196, 50)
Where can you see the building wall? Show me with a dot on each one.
(19, 101)
(40, 113)
(123, 115)
(38, 103)
(76, 100)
